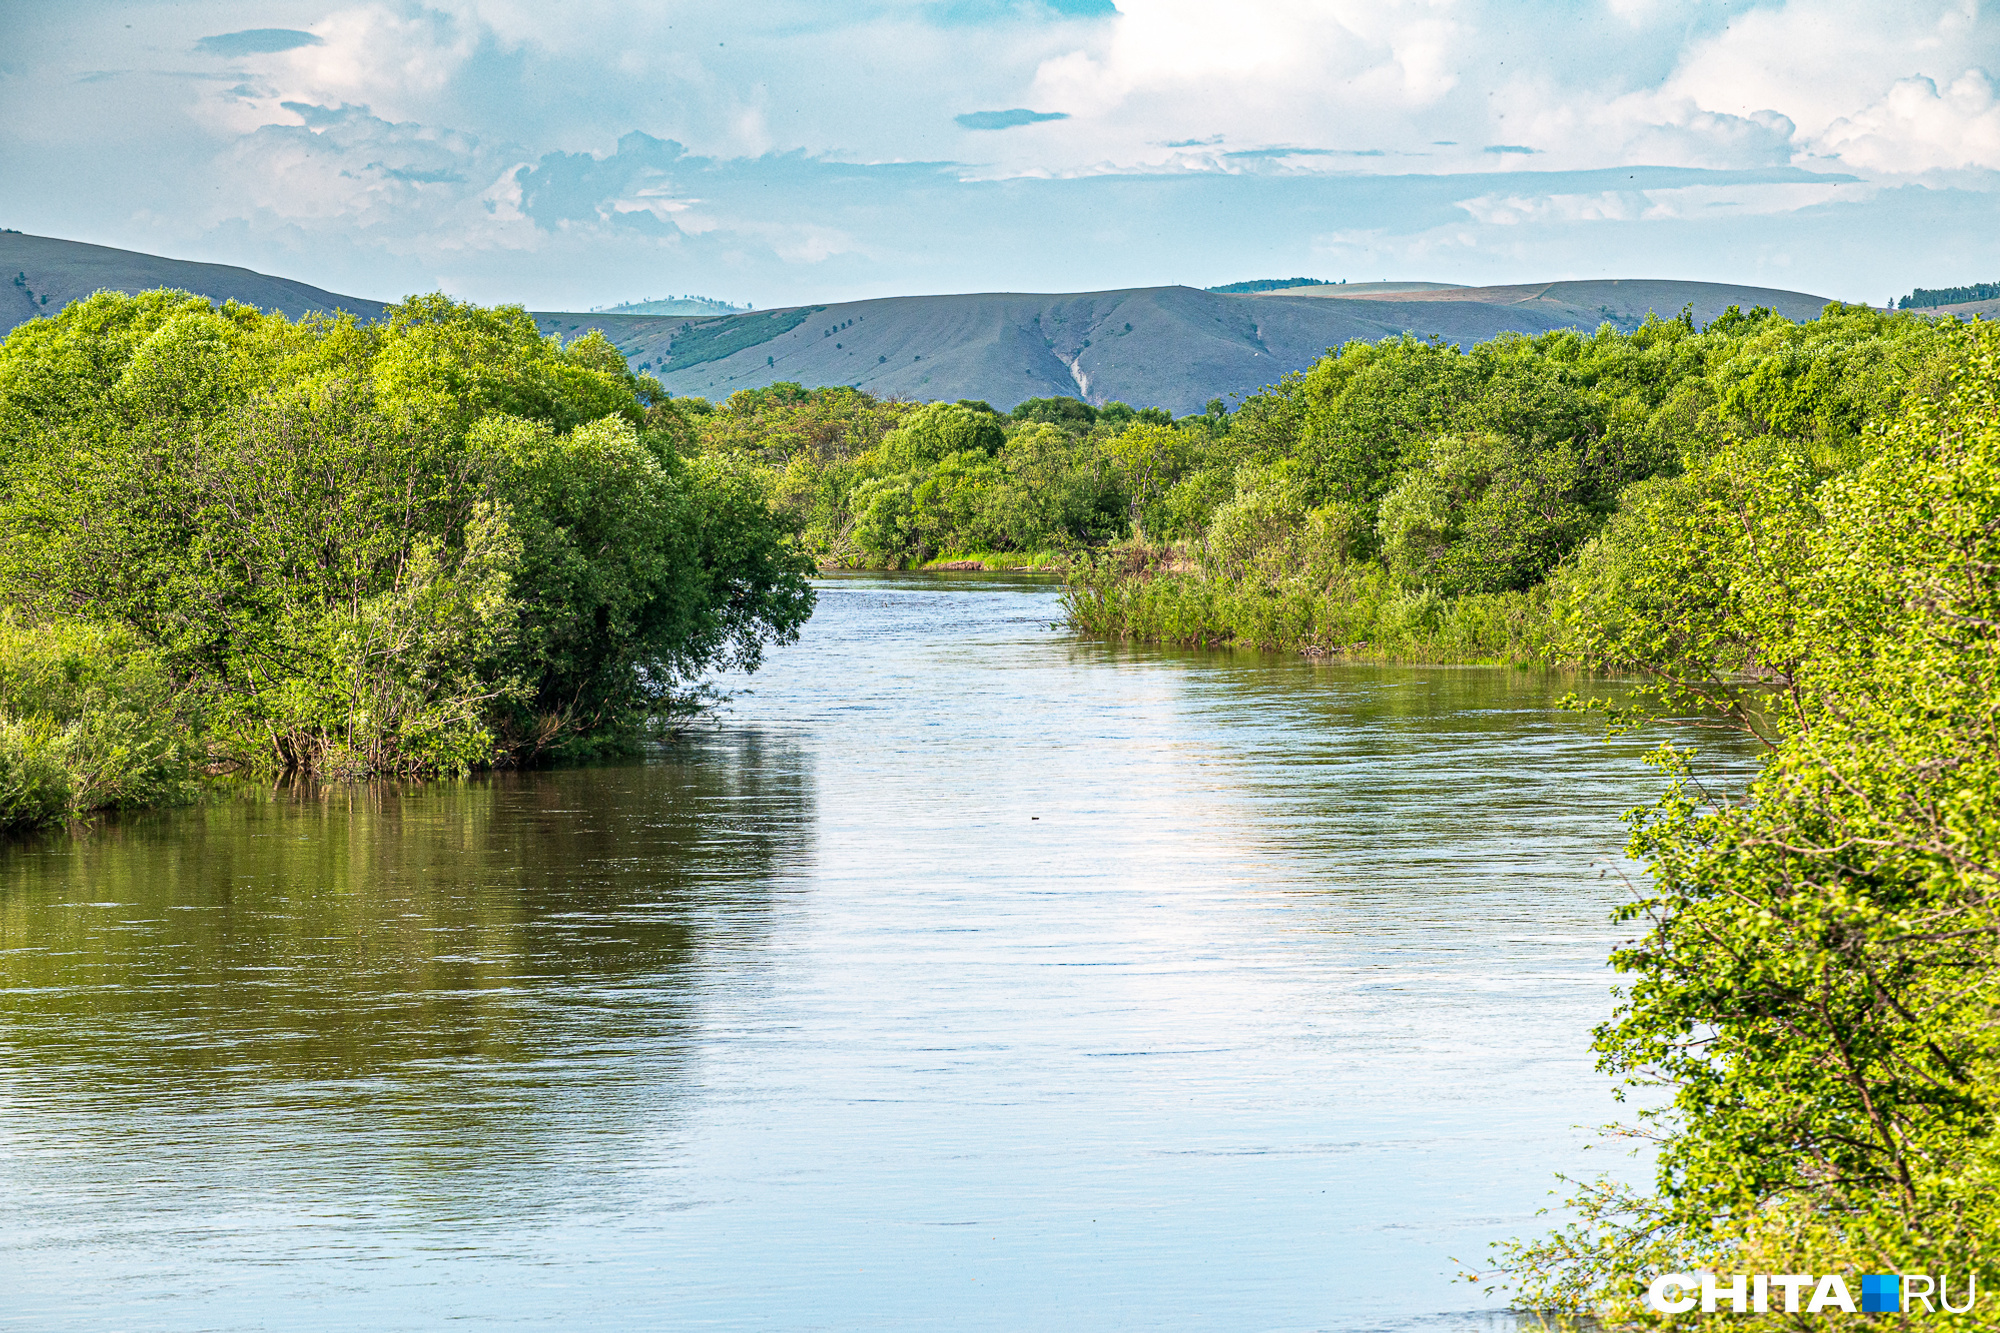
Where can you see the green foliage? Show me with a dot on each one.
(1493, 470)
(1924, 298)
(899, 485)
(1816, 980)
(1271, 284)
(697, 344)
(1068, 413)
(1117, 415)
(1150, 459)
(428, 545)
(89, 720)
(1357, 610)
(934, 432)
(787, 421)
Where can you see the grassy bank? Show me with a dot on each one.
(1040, 562)
(1363, 614)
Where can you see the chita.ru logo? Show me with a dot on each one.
(1796, 1293)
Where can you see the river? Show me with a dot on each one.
(961, 975)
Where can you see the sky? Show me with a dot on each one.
(578, 153)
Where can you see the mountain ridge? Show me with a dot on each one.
(1173, 347)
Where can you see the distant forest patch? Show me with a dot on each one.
(1273, 285)
(1923, 298)
(673, 305)
(698, 344)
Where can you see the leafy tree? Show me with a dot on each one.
(932, 433)
(1068, 413)
(1150, 459)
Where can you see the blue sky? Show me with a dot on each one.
(586, 152)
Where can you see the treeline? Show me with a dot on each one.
(898, 485)
(1924, 298)
(1409, 499)
(233, 543)
(1272, 285)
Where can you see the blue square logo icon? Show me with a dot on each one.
(1881, 1293)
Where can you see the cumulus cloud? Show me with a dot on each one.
(1919, 127)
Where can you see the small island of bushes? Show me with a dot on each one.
(233, 543)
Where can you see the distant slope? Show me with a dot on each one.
(1965, 310)
(43, 274)
(1621, 301)
(1172, 347)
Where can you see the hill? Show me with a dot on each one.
(1624, 302)
(1172, 347)
(45, 274)
(1967, 309)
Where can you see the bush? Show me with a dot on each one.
(35, 788)
(89, 720)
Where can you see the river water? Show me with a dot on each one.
(961, 976)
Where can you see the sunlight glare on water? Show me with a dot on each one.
(962, 975)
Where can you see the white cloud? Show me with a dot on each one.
(1820, 61)
(1340, 75)
(1918, 127)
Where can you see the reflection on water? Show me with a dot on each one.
(962, 975)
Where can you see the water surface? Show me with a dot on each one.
(962, 976)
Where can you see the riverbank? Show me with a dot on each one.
(993, 562)
(1361, 614)
(322, 561)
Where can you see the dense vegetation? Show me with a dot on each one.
(1409, 499)
(1816, 980)
(900, 485)
(714, 339)
(229, 542)
(1270, 285)
(1925, 298)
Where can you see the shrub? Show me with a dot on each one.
(89, 720)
